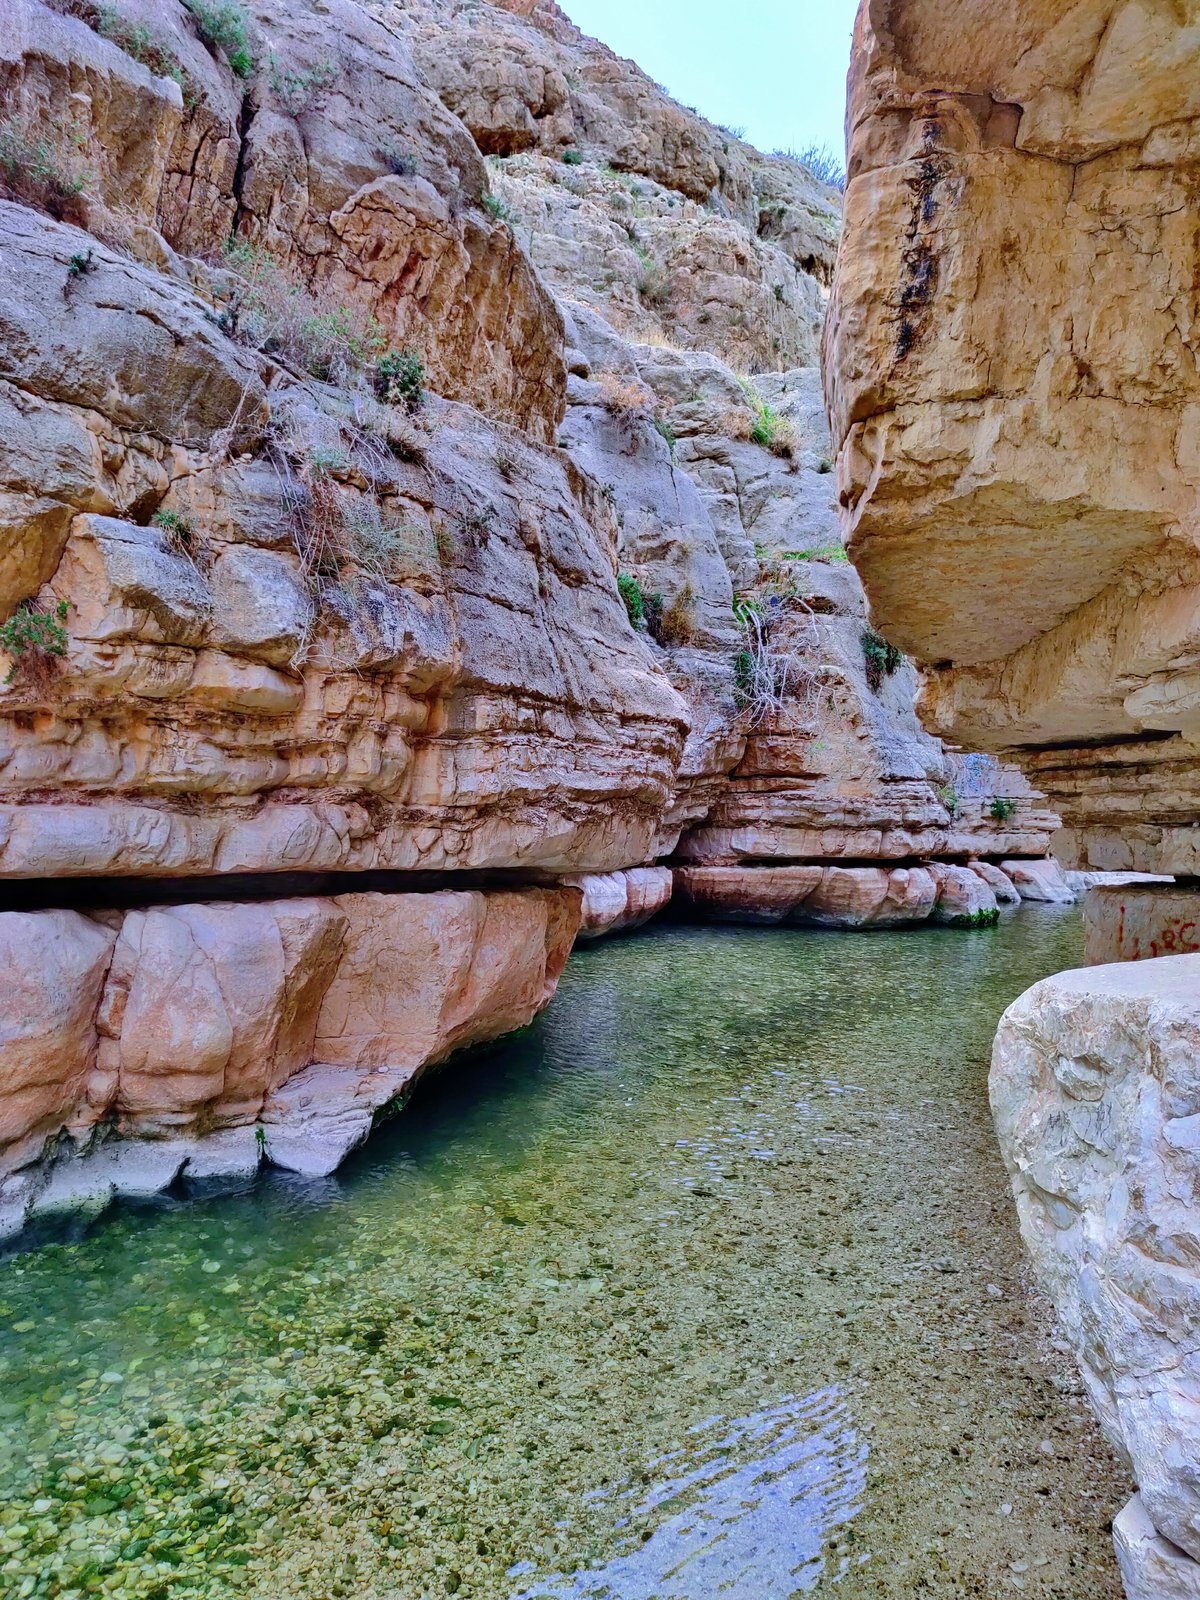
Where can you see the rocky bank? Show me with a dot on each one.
(419, 546)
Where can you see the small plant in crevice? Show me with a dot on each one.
(224, 30)
(399, 160)
(301, 91)
(35, 641)
(667, 432)
(950, 798)
(573, 158)
(498, 209)
(506, 464)
(635, 601)
(675, 624)
(476, 526)
(767, 427)
(179, 531)
(882, 658)
(400, 379)
(1002, 809)
(34, 172)
(80, 264)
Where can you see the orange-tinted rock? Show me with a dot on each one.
(54, 965)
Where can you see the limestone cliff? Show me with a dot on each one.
(1012, 377)
(351, 353)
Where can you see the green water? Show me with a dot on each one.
(708, 1285)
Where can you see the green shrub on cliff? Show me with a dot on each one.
(635, 601)
(882, 658)
(1002, 809)
(33, 638)
(224, 29)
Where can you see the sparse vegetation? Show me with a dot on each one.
(950, 798)
(664, 428)
(676, 624)
(498, 209)
(573, 158)
(34, 640)
(1002, 809)
(298, 92)
(134, 38)
(178, 529)
(624, 399)
(32, 172)
(401, 162)
(635, 601)
(476, 526)
(272, 310)
(400, 379)
(224, 29)
(80, 264)
(833, 553)
(506, 464)
(882, 658)
(340, 534)
(767, 427)
(822, 163)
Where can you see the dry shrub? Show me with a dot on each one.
(677, 625)
(273, 310)
(40, 172)
(624, 399)
(338, 532)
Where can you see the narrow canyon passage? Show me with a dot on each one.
(708, 1284)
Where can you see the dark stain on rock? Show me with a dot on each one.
(920, 270)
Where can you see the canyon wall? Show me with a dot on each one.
(418, 526)
(1012, 379)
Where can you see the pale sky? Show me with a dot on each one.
(776, 68)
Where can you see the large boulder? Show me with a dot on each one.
(1095, 1086)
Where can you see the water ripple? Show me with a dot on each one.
(750, 1514)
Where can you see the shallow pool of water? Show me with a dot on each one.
(708, 1285)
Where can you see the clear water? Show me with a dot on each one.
(708, 1285)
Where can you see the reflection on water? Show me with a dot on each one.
(726, 1167)
(749, 1518)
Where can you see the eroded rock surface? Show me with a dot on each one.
(209, 1037)
(1096, 1087)
(1015, 399)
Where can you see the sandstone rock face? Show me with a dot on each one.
(1013, 399)
(191, 1026)
(1095, 1090)
(55, 963)
(616, 902)
(314, 496)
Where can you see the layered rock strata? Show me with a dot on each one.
(1096, 1090)
(190, 1042)
(1014, 394)
(315, 491)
